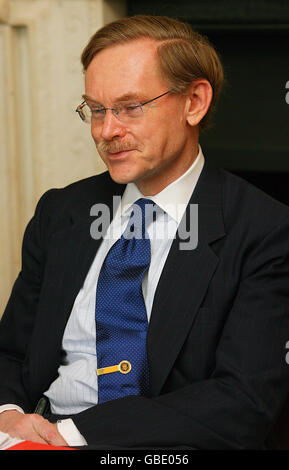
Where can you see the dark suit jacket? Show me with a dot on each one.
(218, 330)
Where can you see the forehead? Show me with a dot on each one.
(123, 69)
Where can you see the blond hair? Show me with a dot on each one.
(184, 55)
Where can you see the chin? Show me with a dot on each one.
(121, 175)
(120, 178)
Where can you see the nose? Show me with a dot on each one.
(111, 127)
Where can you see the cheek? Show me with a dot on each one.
(170, 135)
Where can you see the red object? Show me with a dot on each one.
(29, 445)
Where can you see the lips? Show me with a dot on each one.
(120, 153)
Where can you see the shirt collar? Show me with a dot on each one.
(174, 198)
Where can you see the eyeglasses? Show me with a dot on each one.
(124, 112)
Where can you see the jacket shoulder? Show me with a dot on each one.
(86, 187)
(80, 193)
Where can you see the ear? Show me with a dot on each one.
(199, 98)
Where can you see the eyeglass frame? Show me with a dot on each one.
(114, 110)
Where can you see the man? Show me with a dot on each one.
(217, 311)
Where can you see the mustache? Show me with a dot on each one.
(115, 146)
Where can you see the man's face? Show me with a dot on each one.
(154, 149)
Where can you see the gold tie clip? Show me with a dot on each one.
(124, 367)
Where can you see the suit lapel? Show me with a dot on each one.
(71, 253)
(77, 250)
(184, 282)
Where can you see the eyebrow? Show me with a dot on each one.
(125, 97)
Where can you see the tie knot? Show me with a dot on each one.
(144, 204)
(142, 214)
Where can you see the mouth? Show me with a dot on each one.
(119, 155)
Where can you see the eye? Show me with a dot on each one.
(132, 106)
(97, 110)
(97, 113)
(133, 109)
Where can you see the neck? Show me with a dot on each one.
(154, 184)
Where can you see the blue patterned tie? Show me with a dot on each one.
(121, 317)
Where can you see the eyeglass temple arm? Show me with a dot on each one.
(157, 97)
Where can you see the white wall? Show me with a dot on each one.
(43, 144)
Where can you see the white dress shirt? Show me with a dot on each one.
(76, 388)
